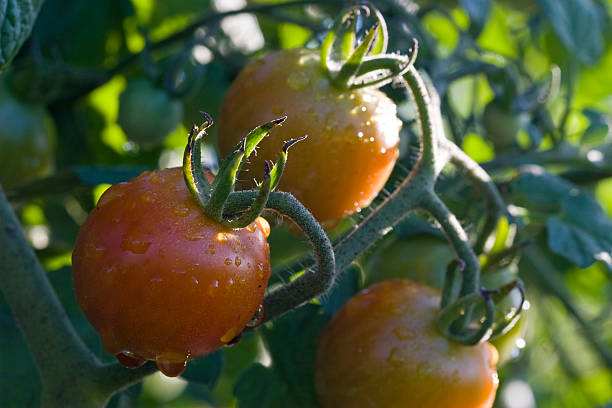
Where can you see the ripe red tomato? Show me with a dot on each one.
(161, 281)
(352, 140)
(383, 349)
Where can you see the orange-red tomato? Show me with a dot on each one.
(352, 140)
(161, 281)
(383, 350)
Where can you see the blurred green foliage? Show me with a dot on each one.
(545, 62)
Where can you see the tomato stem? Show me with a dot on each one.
(496, 207)
(312, 283)
(352, 65)
(212, 198)
(71, 375)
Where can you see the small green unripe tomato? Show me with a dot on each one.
(147, 114)
(27, 141)
(502, 124)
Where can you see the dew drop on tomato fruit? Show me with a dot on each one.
(147, 198)
(228, 261)
(212, 287)
(298, 80)
(230, 281)
(170, 368)
(195, 280)
(129, 360)
(403, 333)
(257, 318)
(234, 341)
(229, 335)
(237, 261)
(134, 245)
(180, 211)
(156, 177)
(395, 357)
(424, 371)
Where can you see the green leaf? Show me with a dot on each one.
(260, 386)
(582, 233)
(536, 188)
(579, 26)
(288, 382)
(16, 21)
(478, 11)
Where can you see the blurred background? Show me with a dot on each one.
(104, 90)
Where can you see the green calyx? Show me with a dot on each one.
(212, 197)
(481, 326)
(352, 63)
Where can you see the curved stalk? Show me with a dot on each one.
(314, 281)
(496, 207)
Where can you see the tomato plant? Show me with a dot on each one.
(161, 281)
(147, 114)
(353, 136)
(27, 141)
(383, 349)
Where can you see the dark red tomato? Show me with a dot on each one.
(161, 281)
(383, 350)
(353, 136)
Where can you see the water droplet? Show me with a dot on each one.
(157, 279)
(298, 80)
(363, 109)
(403, 333)
(360, 134)
(230, 281)
(111, 269)
(129, 359)
(237, 261)
(156, 177)
(234, 341)
(257, 318)
(195, 280)
(170, 368)
(228, 261)
(211, 288)
(383, 150)
(368, 123)
(395, 358)
(229, 335)
(147, 198)
(134, 245)
(424, 370)
(180, 211)
(455, 377)
(179, 271)
(372, 139)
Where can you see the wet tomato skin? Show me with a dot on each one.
(353, 136)
(161, 281)
(383, 350)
